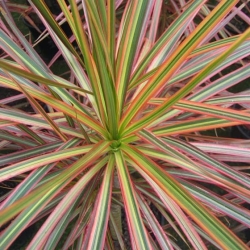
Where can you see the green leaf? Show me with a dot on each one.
(45, 12)
(52, 187)
(154, 224)
(63, 206)
(168, 39)
(167, 69)
(101, 211)
(138, 231)
(168, 185)
(134, 18)
(37, 174)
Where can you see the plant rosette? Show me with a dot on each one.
(127, 127)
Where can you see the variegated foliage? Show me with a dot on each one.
(122, 133)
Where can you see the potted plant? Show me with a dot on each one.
(120, 140)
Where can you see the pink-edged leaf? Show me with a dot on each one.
(209, 161)
(172, 189)
(101, 213)
(156, 228)
(69, 200)
(135, 223)
(50, 188)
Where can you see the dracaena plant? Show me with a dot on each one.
(118, 143)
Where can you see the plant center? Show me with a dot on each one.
(115, 145)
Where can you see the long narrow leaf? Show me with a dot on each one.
(224, 237)
(172, 64)
(98, 232)
(138, 231)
